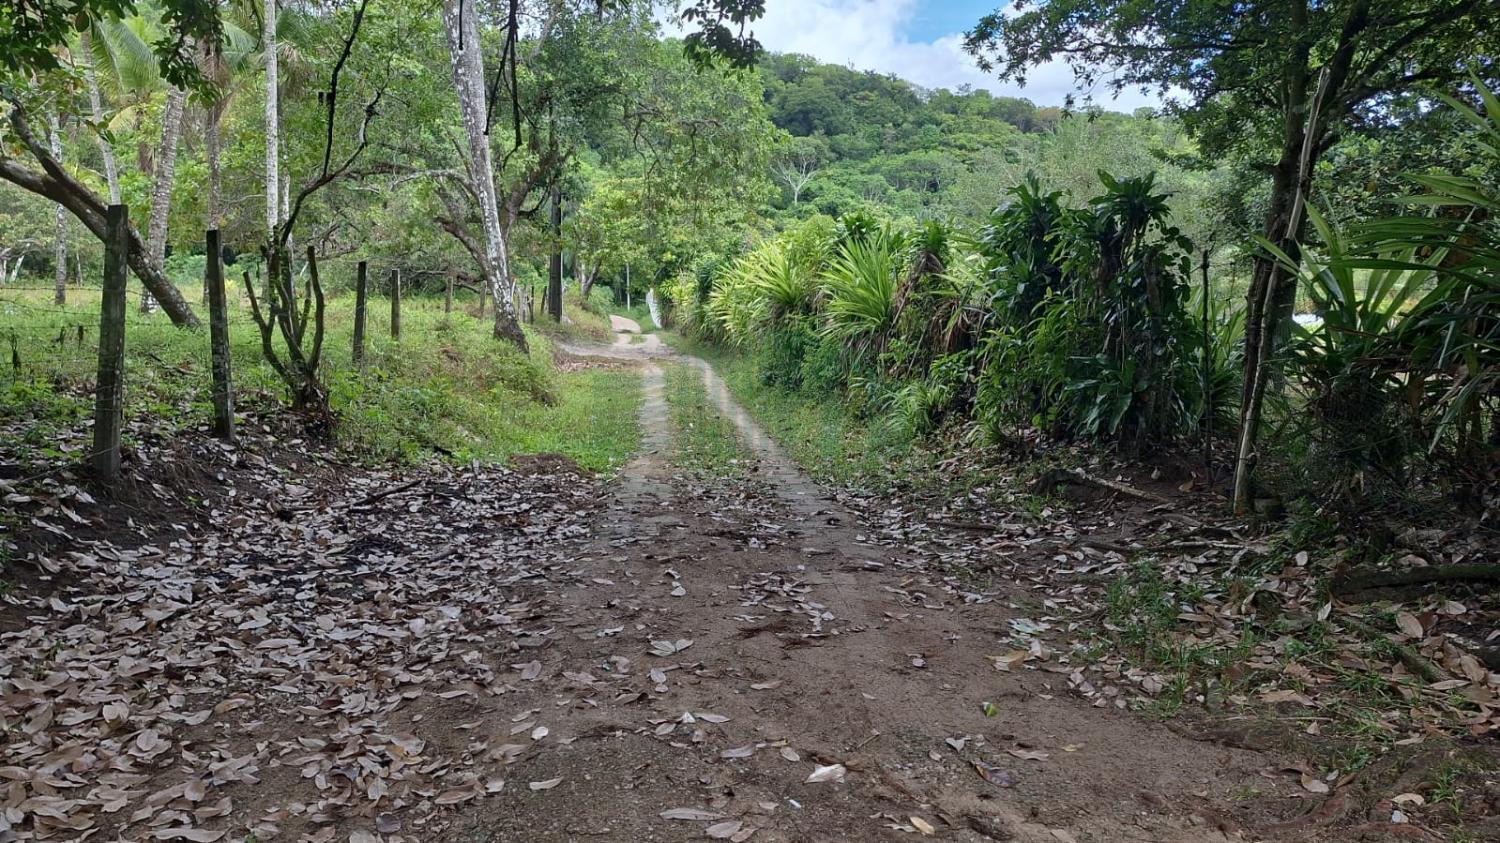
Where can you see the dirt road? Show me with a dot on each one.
(482, 653)
(758, 671)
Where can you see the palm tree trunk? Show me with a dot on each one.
(96, 112)
(60, 244)
(165, 173)
(468, 79)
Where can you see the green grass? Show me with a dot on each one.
(580, 323)
(707, 442)
(595, 420)
(1141, 613)
(447, 386)
(829, 440)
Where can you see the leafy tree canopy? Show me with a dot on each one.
(32, 31)
(1230, 67)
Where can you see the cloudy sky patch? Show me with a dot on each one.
(918, 40)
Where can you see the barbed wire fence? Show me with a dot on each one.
(41, 339)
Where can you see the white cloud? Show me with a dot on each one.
(870, 35)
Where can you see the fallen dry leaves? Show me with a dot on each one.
(1056, 557)
(293, 635)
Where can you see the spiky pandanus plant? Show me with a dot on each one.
(1347, 374)
(736, 308)
(1427, 319)
(922, 306)
(781, 279)
(861, 281)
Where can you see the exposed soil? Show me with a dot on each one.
(821, 647)
(486, 654)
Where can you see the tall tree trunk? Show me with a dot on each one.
(60, 244)
(96, 113)
(164, 180)
(468, 79)
(1308, 119)
(555, 265)
(1258, 377)
(269, 48)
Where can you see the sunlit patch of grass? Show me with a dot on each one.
(447, 386)
(706, 441)
(822, 433)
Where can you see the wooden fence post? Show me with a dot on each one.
(361, 295)
(218, 336)
(110, 394)
(448, 296)
(553, 298)
(396, 304)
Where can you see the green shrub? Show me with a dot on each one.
(861, 280)
(823, 371)
(1103, 350)
(784, 351)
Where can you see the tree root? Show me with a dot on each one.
(1352, 582)
(1050, 481)
(1420, 666)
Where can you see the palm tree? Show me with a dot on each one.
(122, 48)
(85, 57)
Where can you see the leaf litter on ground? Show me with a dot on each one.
(192, 652)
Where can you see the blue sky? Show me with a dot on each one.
(917, 40)
(932, 19)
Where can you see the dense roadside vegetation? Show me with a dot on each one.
(331, 129)
(953, 360)
(1100, 319)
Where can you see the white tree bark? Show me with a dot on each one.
(796, 176)
(165, 179)
(60, 238)
(96, 112)
(468, 79)
(273, 119)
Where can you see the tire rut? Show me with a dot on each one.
(809, 644)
